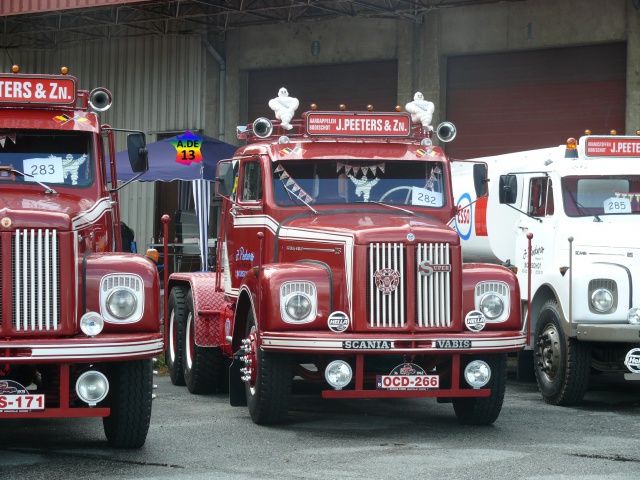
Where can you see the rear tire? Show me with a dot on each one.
(485, 410)
(203, 366)
(268, 389)
(173, 348)
(564, 364)
(130, 398)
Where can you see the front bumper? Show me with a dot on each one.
(616, 333)
(81, 349)
(435, 344)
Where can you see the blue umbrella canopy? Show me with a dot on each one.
(163, 164)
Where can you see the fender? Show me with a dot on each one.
(96, 265)
(474, 273)
(209, 306)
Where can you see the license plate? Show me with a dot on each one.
(408, 382)
(21, 403)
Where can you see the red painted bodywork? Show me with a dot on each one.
(87, 228)
(268, 245)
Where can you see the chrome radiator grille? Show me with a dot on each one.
(387, 303)
(36, 280)
(433, 292)
(387, 287)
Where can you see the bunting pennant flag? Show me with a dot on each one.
(10, 136)
(291, 186)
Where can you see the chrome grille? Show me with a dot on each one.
(36, 280)
(387, 303)
(433, 291)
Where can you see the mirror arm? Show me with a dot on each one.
(114, 190)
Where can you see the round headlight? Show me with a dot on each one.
(491, 306)
(298, 306)
(477, 373)
(92, 387)
(121, 303)
(602, 300)
(633, 316)
(338, 374)
(91, 324)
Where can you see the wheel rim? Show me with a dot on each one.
(188, 343)
(251, 359)
(549, 351)
(172, 339)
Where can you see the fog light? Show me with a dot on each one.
(338, 374)
(602, 300)
(633, 317)
(477, 373)
(92, 387)
(91, 324)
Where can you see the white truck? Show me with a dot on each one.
(577, 207)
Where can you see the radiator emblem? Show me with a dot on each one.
(387, 280)
(338, 322)
(6, 222)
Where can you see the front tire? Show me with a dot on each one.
(268, 386)
(130, 398)
(173, 348)
(203, 366)
(485, 410)
(564, 364)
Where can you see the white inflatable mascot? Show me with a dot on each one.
(284, 107)
(421, 110)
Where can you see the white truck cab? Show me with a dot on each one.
(580, 206)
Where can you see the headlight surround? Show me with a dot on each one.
(602, 300)
(121, 303)
(493, 300)
(298, 302)
(121, 298)
(492, 306)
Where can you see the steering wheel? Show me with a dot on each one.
(396, 189)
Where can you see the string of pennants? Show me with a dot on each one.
(433, 178)
(291, 186)
(357, 168)
(3, 139)
(629, 195)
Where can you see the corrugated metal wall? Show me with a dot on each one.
(157, 83)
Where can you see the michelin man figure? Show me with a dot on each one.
(421, 110)
(284, 107)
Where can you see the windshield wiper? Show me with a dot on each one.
(47, 189)
(595, 216)
(377, 202)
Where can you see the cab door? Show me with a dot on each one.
(245, 220)
(540, 209)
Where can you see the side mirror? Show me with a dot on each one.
(508, 189)
(480, 179)
(224, 179)
(138, 153)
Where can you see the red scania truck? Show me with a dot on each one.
(79, 318)
(335, 265)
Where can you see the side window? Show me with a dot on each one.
(540, 197)
(251, 182)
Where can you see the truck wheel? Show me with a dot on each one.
(562, 364)
(485, 410)
(130, 397)
(173, 347)
(268, 379)
(202, 365)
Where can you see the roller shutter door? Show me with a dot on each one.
(515, 101)
(355, 85)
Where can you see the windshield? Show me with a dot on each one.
(602, 195)
(50, 157)
(324, 182)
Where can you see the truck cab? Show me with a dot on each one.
(336, 266)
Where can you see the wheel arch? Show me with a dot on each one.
(545, 293)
